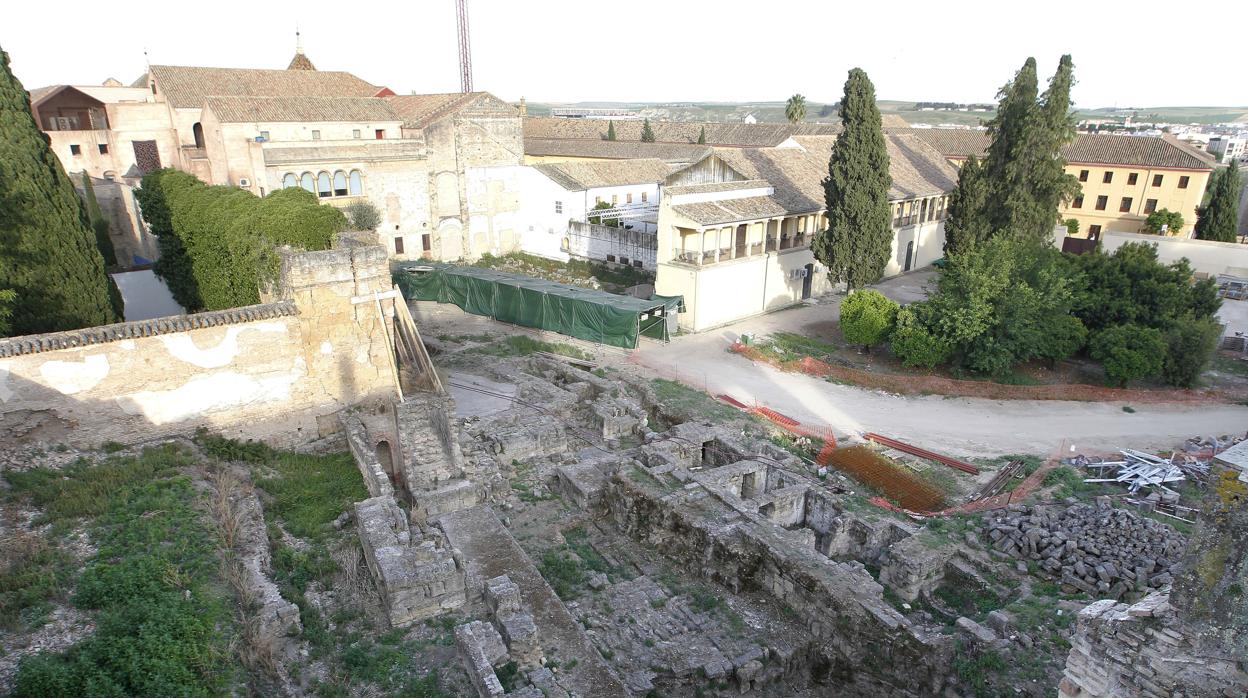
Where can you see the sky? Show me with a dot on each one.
(658, 50)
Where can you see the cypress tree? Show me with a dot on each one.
(98, 222)
(856, 245)
(610, 130)
(48, 255)
(1010, 164)
(702, 136)
(647, 133)
(1054, 186)
(966, 226)
(1219, 219)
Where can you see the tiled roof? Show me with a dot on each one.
(418, 111)
(1086, 149)
(300, 62)
(713, 187)
(187, 87)
(295, 109)
(614, 150)
(797, 174)
(579, 176)
(721, 134)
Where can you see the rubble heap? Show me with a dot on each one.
(1097, 548)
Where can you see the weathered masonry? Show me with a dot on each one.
(279, 371)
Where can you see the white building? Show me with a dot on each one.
(1228, 148)
(560, 199)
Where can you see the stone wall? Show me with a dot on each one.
(277, 371)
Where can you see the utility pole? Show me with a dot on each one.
(465, 47)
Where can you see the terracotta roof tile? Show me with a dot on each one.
(721, 134)
(614, 150)
(187, 87)
(1086, 149)
(295, 109)
(579, 176)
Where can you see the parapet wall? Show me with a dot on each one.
(277, 371)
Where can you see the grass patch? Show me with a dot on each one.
(524, 345)
(563, 573)
(33, 573)
(977, 667)
(685, 403)
(786, 346)
(1229, 365)
(571, 271)
(1067, 481)
(162, 623)
(968, 599)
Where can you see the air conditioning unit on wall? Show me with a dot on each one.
(244, 182)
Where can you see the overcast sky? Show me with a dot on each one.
(661, 50)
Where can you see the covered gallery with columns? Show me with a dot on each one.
(735, 228)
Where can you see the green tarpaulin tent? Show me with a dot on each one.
(595, 316)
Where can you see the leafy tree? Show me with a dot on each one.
(1171, 221)
(1129, 352)
(98, 222)
(795, 109)
(599, 220)
(1219, 219)
(856, 246)
(913, 343)
(1130, 287)
(610, 130)
(702, 136)
(1072, 226)
(966, 224)
(1190, 343)
(647, 133)
(363, 215)
(867, 318)
(7, 299)
(48, 256)
(1063, 337)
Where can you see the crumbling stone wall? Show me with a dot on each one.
(276, 371)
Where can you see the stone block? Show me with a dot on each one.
(975, 632)
(480, 647)
(502, 595)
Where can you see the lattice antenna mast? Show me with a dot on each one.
(465, 47)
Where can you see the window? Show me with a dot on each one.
(1183, 181)
(923, 212)
(316, 135)
(398, 244)
(1132, 178)
(1078, 202)
(610, 258)
(264, 135)
(340, 183)
(1150, 205)
(380, 133)
(1101, 202)
(323, 188)
(308, 182)
(558, 207)
(1083, 175)
(355, 133)
(103, 149)
(1157, 180)
(615, 199)
(356, 182)
(289, 181)
(426, 242)
(75, 149)
(628, 199)
(624, 260)
(597, 200)
(1109, 177)
(1094, 232)
(644, 197)
(1125, 206)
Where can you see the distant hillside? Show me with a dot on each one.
(822, 112)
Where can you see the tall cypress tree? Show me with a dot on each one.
(856, 245)
(1009, 165)
(47, 248)
(702, 136)
(610, 130)
(1054, 187)
(647, 133)
(966, 225)
(1219, 219)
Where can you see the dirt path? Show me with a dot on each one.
(958, 426)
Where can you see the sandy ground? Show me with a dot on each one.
(961, 426)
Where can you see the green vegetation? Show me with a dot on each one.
(867, 317)
(1068, 482)
(1163, 220)
(977, 666)
(362, 215)
(33, 573)
(795, 109)
(610, 130)
(575, 271)
(966, 225)
(566, 567)
(99, 223)
(48, 255)
(684, 403)
(647, 133)
(218, 243)
(524, 345)
(1128, 352)
(856, 245)
(162, 624)
(1218, 220)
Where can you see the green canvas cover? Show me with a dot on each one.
(595, 316)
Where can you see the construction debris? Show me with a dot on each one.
(1138, 470)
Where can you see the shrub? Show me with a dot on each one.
(1172, 220)
(1190, 344)
(1129, 352)
(867, 317)
(914, 344)
(1065, 337)
(1072, 226)
(363, 215)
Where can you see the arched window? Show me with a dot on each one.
(322, 185)
(357, 183)
(290, 180)
(340, 183)
(307, 181)
(197, 132)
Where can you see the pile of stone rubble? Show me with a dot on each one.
(1096, 549)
